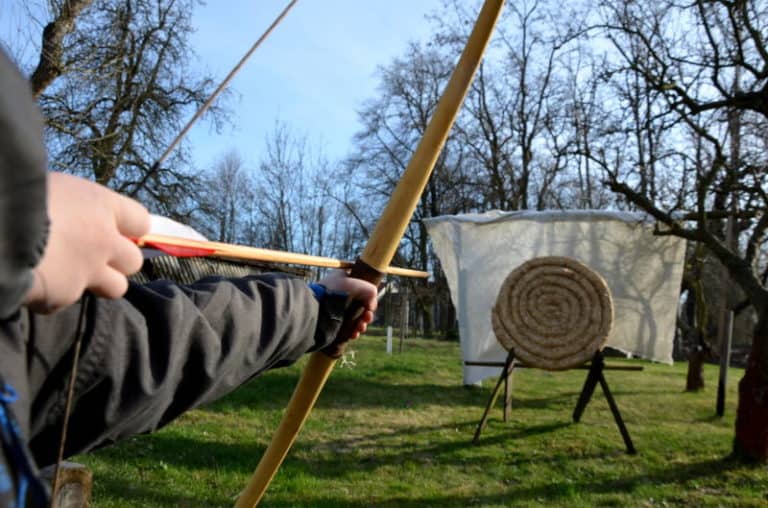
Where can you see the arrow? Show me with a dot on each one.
(183, 247)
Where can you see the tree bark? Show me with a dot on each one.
(696, 314)
(50, 65)
(694, 381)
(751, 441)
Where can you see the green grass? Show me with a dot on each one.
(396, 430)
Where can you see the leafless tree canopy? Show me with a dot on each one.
(114, 83)
(639, 105)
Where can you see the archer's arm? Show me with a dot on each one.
(165, 348)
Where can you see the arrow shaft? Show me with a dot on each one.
(241, 252)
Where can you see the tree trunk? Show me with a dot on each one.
(751, 441)
(425, 305)
(694, 381)
(694, 313)
(448, 321)
(51, 65)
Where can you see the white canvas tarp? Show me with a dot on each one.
(643, 271)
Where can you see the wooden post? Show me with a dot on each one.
(617, 415)
(403, 318)
(725, 326)
(725, 361)
(388, 305)
(75, 481)
(590, 383)
(725, 323)
(388, 314)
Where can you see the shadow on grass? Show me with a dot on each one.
(553, 491)
(541, 495)
(380, 449)
(273, 391)
(709, 418)
(138, 495)
(387, 448)
(368, 452)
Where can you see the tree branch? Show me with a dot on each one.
(50, 66)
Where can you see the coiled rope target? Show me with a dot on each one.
(554, 312)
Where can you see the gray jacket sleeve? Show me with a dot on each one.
(166, 348)
(23, 219)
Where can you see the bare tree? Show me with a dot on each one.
(532, 50)
(515, 127)
(701, 76)
(51, 64)
(393, 124)
(114, 83)
(583, 181)
(225, 200)
(295, 206)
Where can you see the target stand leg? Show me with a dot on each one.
(508, 394)
(595, 370)
(594, 377)
(503, 378)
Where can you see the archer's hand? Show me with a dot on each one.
(87, 244)
(363, 292)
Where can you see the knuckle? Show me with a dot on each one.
(135, 261)
(119, 288)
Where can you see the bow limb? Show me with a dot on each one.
(379, 250)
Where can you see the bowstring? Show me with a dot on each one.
(79, 333)
(221, 87)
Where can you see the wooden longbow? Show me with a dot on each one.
(378, 252)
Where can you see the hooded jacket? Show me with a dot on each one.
(162, 349)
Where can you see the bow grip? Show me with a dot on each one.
(359, 270)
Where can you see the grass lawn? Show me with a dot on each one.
(396, 430)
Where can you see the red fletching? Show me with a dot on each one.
(180, 251)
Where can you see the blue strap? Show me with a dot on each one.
(26, 479)
(318, 289)
(321, 291)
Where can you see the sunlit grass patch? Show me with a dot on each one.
(396, 431)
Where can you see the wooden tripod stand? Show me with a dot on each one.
(594, 376)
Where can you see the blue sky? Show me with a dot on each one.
(313, 73)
